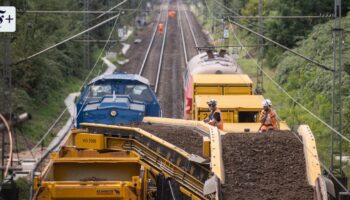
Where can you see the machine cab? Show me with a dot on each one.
(117, 99)
(205, 65)
(234, 108)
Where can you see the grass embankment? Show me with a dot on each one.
(45, 113)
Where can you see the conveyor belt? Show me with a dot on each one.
(187, 138)
(163, 156)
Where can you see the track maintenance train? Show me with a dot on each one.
(102, 160)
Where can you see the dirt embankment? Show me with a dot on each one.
(264, 166)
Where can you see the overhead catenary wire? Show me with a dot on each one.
(112, 10)
(66, 40)
(228, 9)
(237, 15)
(217, 19)
(98, 59)
(270, 40)
(27, 144)
(282, 17)
(211, 13)
(77, 11)
(282, 46)
(49, 130)
(288, 95)
(109, 10)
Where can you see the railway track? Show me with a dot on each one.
(189, 47)
(157, 43)
(160, 56)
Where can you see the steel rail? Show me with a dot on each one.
(149, 46)
(182, 34)
(162, 52)
(193, 36)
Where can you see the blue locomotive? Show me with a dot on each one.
(117, 98)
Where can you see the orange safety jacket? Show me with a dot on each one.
(271, 121)
(219, 124)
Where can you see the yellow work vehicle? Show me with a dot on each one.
(129, 163)
(214, 84)
(113, 162)
(234, 108)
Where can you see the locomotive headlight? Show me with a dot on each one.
(114, 113)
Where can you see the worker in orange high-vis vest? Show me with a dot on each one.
(268, 117)
(215, 117)
(160, 28)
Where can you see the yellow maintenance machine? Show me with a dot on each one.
(234, 108)
(114, 162)
(234, 94)
(111, 162)
(175, 158)
(214, 84)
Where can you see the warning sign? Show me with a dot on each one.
(226, 34)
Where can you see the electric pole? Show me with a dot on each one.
(226, 30)
(86, 36)
(260, 76)
(337, 107)
(7, 88)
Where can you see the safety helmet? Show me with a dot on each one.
(266, 102)
(212, 102)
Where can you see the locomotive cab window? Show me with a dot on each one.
(100, 90)
(96, 92)
(249, 116)
(139, 92)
